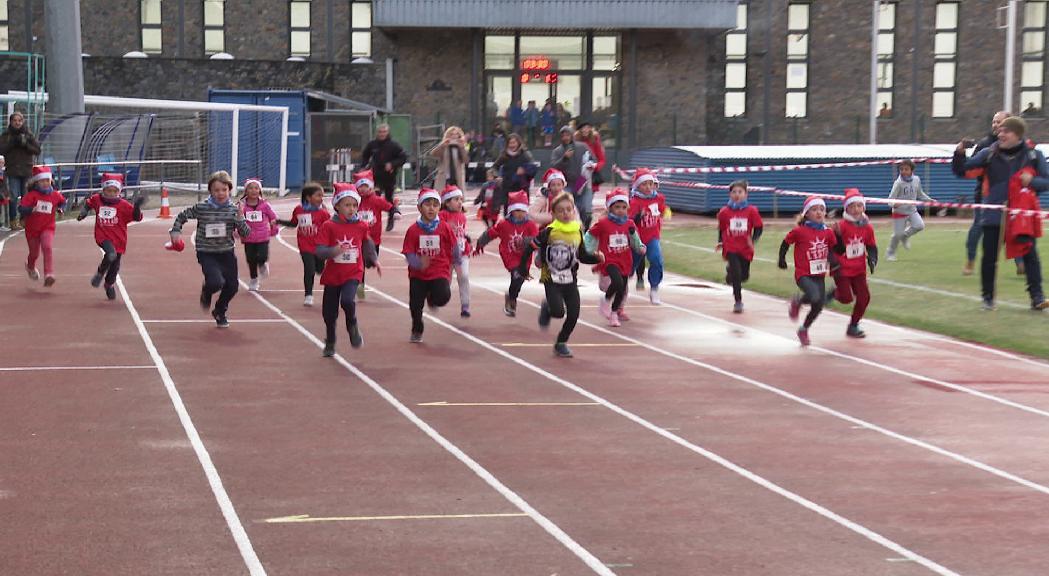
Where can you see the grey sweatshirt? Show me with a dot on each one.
(215, 225)
(902, 190)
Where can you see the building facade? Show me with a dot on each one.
(646, 72)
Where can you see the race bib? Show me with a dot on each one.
(618, 241)
(253, 216)
(653, 209)
(305, 220)
(855, 249)
(215, 230)
(561, 276)
(367, 216)
(107, 213)
(430, 243)
(348, 257)
(738, 225)
(43, 207)
(817, 267)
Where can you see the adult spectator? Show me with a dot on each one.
(515, 114)
(19, 147)
(531, 118)
(548, 122)
(515, 168)
(451, 158)
(573, 159)
(586, 134)
(999, 162)
(498, 141)
(385, 157)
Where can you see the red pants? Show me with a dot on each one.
(846, 287)
(42, 241)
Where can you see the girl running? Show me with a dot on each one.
(857, 251)
(453, 215)
(616, 237)
(648, 208)
(307, 218)
(372, 207)
(906, 219)
(514, 233)
(113, 214)
(430, 247)
(263, 223)
(812, 242)
(559, 250)
(38, 209)
(739, 227)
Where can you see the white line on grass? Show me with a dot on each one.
(247, 552)
(553, 529)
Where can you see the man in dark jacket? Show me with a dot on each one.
(999, 162)
(20, 148)
(972, 241)
(385, 157)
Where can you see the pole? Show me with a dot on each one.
(873, 121)
(389, 85)
(1010, 54)
(62, 42)
(234, 154)
(283, 180)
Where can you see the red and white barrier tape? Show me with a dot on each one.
(781, 167)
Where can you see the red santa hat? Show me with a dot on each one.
(345, 190)
(617, 195)
(112, 180)
(427, 193)
(518, 201)
(642, 175)
(253, 180)
(811, 202)
(554, 174)
(364, 178)
(450, 191)
(852, 195)
(39, 173)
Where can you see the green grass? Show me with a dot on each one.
(934, 261)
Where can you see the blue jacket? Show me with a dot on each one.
(516, 116)
(998, 168)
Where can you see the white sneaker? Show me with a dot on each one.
(653, 296)
(264, 271)
(253, 285)
(605, 307)
(890, 256)
(613, 320)
(906, 243)
(34, 274)
(308, 301)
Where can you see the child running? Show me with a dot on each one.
(554, 183)
(648, 208)
(514, 233)
(906, 219)
(372, 207)
(112, 215)
(812, 242)
(38, 209)
(857, 250)
(452, 214)
(307, 218)
(217, 218)
(263, 223)
(739, 227)
(559, 250)
(344, 241)
(614, 236)
(430, 247)
(486, 199)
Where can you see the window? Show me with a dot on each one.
(1032, 78)
(151, 30)
(945, 59)
(360, 29)
(797, 60)
(214, 26)
(5, 27)
(736, 66)
(300, 28)
(886, 57)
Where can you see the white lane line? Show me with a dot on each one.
(247, 552)
(6, 238)
(201, 321)
(713, 457)
(49, 368)
(553, 529)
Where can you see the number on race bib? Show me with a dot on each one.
(561, 276)
(430, 242)
(43, 207)
(253, 216)
(215, 230)
(738, 225)
(107, 213)
(855, 249)
(348, 257)
(367, 216)
(305, 220)
(817, 267)
(618, 241)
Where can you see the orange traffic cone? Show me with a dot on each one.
(165, 206)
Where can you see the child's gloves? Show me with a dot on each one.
(782, 264)
(872, 262)
(177, 244)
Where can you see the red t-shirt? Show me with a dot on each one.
(438, 245)
(370, 212)
(44, 206)
(457, 220)
(111, 221)
(511, 241)
(307, 224)
(856, 240)
(350, 264)
(811, 250)
(736, 228)
(614, 242)
(650, 225)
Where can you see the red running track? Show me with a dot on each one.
(689, 441)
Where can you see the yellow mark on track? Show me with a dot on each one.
(306, 518)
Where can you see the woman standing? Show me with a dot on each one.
(20, 148)
(516, 170)
(451, 159)
(586, 134)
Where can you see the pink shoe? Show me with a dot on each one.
(803, 337)
(622, 315)
(613, 320)
(795, 308)
(605, 307)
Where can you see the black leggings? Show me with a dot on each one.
(256, 253)
(562, 300)
(436, 293)
(110, 265)
(220, 275)
(616, 286)
(813, 293)
(312, 265)
(516, 282)
(989, 265)
(738, 272)
(334, 297)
